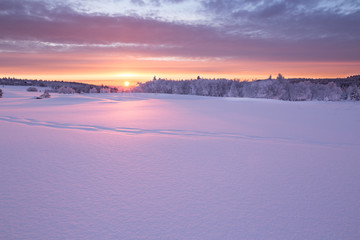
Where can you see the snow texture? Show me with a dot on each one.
(147, 166)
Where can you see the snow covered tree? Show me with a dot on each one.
(280, 77)
(328, 92)
(250, 89)
(66, 90)
(46, 94)
(353, 92)
(32, 89)
(334, 92)
(93, 90)
(266, 89)
(105, 90)
(300, 91)
(234, 91)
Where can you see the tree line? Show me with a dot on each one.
(60, 86)
(295, 89)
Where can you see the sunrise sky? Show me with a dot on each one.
(134, 40)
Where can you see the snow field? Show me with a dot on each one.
(144, 166)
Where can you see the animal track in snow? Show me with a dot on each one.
(169, 132)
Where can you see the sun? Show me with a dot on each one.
(126, 84)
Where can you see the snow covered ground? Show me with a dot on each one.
(146, 166)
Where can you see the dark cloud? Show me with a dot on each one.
(157, 3)
(138, 2)
(173, 1)
(273, 10)
(266, 32)
(288, 19)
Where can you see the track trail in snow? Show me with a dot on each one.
(169, 132)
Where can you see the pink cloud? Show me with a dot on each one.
(33, 23)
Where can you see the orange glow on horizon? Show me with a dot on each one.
(115, 70)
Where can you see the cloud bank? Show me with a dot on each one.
(256, 30)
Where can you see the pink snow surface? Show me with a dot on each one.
(146, 166)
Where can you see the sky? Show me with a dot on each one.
(121, 40)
